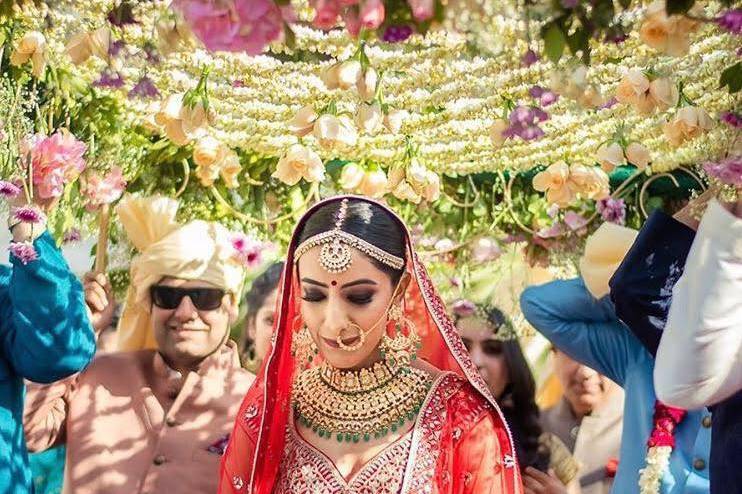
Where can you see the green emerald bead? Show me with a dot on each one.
(401, 421)
(366, 437)
(348, 436)
(356, 438)
(410, 415)
(321, 433)
(394, 427)
(310, 358)
(414, 356)
(339, 437)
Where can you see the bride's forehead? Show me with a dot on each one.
(360, 267)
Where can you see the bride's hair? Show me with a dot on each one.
(365, 220)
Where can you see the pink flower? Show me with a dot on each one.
(23, 251)
(326, 15)
(464, 308)
(728, 171)
(529, 58)
(422, 10)
(576, 222)
(372, 14)
(104, 190)
(57, 160)
(248, 251)
(9, 190)
(72, 235)
(613, 210)
(241, 25)
(28, 214)
(352, 22)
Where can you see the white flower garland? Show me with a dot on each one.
(650, 477)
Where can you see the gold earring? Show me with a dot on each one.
(303, 347)
(401, 349)
(351, 348)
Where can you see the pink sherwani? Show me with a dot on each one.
(134, 425)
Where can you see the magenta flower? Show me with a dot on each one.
(28, 214)
(422, 10)
(529, 58)
(71, 236)
(464, 308)
(9, 190)
(104, 190)
(612, 210)
(115, 49)
(397, 34)
(144, 89)
(732, 119)
(524, 123)
(728, 171)
(23, 251)
(241, 25)
(731, 20)
(608, 104)
(372, 14)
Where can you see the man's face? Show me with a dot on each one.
(584, 388)
(187, 333)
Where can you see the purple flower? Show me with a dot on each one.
(524, 123)
(536, 91)
(145, 88)
(548, 98)
(608, 104)
(553, 231)
(247, 250)
(122, 14)
(529, 58)
(72, 235)
(238, 83)
(530, 133)
(618, 37)
(23, 251)
(522, 115)
(732, 119)
(150, 53)
(110, 79)
(396, 34)
(464, 308)
(613, 210)
(28, 214)
(9, 190)
(728, 171)
(455, 281)
(115, 48)
(731, 20)
(540, 115)
(569, 4)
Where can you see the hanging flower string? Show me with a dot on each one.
(659, 446)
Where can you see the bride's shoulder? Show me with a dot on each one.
(462, 402)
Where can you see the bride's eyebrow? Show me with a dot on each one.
(313, 282)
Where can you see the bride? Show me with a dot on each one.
(367, 387)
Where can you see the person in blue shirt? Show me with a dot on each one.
(45, 335)
(588, 330)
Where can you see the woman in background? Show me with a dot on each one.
(497, 354)
(261, 310)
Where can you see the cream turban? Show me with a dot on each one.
(198, 250)
(604, 251)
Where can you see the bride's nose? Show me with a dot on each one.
(336, 317)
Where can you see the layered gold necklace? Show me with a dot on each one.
(358, 405)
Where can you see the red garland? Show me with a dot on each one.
(611, 467)
(666, 418)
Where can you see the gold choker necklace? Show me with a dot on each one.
(358, 405)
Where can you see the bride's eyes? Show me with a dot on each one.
(362, 298)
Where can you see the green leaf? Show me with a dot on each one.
(625, 3)
(554, 40)
(578, 40)
(732, 77)
(678, 6)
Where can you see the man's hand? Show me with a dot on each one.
(99, 299)
(691, 214)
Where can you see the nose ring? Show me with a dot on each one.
(356, 346)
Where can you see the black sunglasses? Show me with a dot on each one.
(169, 297)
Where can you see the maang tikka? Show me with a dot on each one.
(336, 255)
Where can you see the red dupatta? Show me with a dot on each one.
(253, 456)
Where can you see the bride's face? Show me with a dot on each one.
(339, 305)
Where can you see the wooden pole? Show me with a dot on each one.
(100, 251)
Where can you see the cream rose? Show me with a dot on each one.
(230, 169)
(638, 155)
(432, 189)
(689, 122)
(664, 93)
(374, 184)
(331, 131)
(78, 48)
(208, 151)
(369, 118)
(394, 119)
(634, 90)
(329, 76)
(303, 121)
(348, 74)
(405, 192)
(31, 47)
(610, 156)
(351, 176)
(554, 181)
(299, 161)
(366, 84)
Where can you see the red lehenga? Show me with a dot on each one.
(459, 444)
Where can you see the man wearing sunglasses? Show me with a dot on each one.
(155, 416)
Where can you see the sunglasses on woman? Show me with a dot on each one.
(170, 297)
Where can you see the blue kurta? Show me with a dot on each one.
(588, 330)
(45, 336)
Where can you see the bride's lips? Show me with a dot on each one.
(334, 344)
